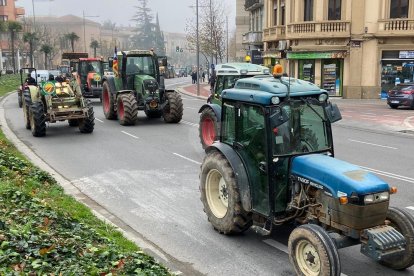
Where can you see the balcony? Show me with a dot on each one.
(252, 4)
(395, 27)
(253, 38)
(321, 29)
(274, 33)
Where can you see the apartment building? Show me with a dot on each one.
(253, 40)
(351, 48)
(242, 27)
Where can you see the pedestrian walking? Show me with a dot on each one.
(194, 77)
(212, 80)
(203, 76)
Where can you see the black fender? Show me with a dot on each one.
(239, 172)
(111, 82)
(215, 107)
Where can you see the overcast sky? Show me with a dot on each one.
(172, 13)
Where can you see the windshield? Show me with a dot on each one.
(143, 65)
(305, 131)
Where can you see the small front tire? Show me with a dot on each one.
(108, 102)
(37, 119)
(87, 124)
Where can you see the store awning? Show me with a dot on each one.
(316, 55)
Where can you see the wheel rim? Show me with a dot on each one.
(208, 131)
(308, 258)
(106, 101)
(121, 111)
(217, 193)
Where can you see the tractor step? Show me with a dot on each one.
(266, 230)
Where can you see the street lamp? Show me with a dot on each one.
(84, 26)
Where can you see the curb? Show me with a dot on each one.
(99, 211)
(182, 91)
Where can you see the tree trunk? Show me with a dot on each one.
(72, 43)
(12, 48)
(31, 53)
(94, 52)
(45, 61)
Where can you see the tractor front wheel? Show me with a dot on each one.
(208, 128)
(108, 102)
(403, 222)
(87, 124)
(173, 110)
(26, 108)
(127, 109)
(312, 252)
(37, 119)
(220, 196)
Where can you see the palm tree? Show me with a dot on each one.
(13, 27)
(30, 38)
(72, 37)
(94, 45)
(46, 49)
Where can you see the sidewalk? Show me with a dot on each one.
(364, 114)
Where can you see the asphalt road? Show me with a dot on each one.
(147, 175)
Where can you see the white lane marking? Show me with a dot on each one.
(99, 120)
(186, 158)
(361, 142)
(371, 114)
(129, 134)
(282, 247)
(410, 207)
(391, 175)
(277, 245)
(189, 123)
(407, 122)
(195, 108)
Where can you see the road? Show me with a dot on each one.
(147, 176)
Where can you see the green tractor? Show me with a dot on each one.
(137, 85)
(274, 164)
(227, 75)
(51, 102)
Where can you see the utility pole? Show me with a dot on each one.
(34, 17)
(227, 39)
(198, 53)
(211, 34)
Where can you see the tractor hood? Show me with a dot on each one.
(141, 78)
(336, 177)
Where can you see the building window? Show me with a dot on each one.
(308, 12)
(334, 10)
(399, 9)
(275, 12)
(283, 13)
(4, 18)
(3, 2)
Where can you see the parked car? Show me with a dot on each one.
(401, 95)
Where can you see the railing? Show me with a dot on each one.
(319, 29)
(396, 27)
(252, 37)
(251, 4)
(274, 33)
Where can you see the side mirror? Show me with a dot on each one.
(279, 117)
(333, 113)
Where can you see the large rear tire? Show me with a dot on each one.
(37, 119)
(220, 196)
(86, 125)
(312, 252)
(108, 103)
(403, 222)
(26, 107)
(173, 111)
(127, 109)
(209, 128)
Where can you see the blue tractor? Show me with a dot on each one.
(274, 164)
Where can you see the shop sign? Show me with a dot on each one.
(270, 54)
(315, 55)
(406, 54)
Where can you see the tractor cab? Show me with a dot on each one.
(90, 72)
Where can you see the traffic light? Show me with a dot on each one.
(177, 48)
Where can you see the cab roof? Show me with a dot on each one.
(239, 68)
(260, 90)
(137, 53)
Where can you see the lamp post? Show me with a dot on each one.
(34, 17)
(84, 26)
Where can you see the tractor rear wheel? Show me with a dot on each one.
(208, 128)
(87, 124)
(173, 111)
(108, 102)
(403, 222)
(220, 196)
(127, 109)
(312, 252)
(73, 122)
(26, 107)
(37, 119)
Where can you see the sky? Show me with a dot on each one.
(173, 14)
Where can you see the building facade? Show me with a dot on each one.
(253, 40)
(242, 27)
(351, 48)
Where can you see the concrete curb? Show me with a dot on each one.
(182, 91)
(100, 212)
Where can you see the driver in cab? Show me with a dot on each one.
(132, 68)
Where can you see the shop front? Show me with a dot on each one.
(396, 67)
(271, 58)
(322, 68)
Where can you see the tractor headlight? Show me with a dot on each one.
(323, 97)
(275, 100)
(266, 71)
(243, 72)
(375, 198)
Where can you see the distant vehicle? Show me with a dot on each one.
(401, 95)
(42, 75)
(55, 73)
